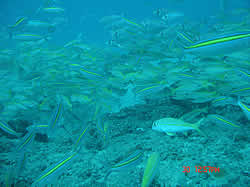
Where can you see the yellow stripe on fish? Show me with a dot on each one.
(240, 90)
(125, 163)
(58, 113)
(7, 129)
(83, 70)
(90, 72)
(53, 9)
(148, 88)
(54, 169)
(18, 22)
(136, 24)
(80, 137)
(150, 170)
(218, 40)
(224, 120)
(245, 73)
(129, 162)
(245, 109)
(185, 37)
(218, 99)
(26, 141)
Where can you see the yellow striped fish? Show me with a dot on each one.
(220, 45)
(53, 9)
(54, 171)
(86, 73)
(26, 141)
(28, 37)
(245, 109)
(223, 120)
(18, 22)
(151, 169)
(5, 127)
(55, 119)
(127, 163)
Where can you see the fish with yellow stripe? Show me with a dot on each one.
(53, 9)
(222, 120)
(41, 128)
(220, 45)
(26, 141)
(54, 122)
(19, 22)
(50, 175)
(131, 161)
(244, 73)
(80, 138)
(6, 128)
(88, 74)
(151, 169)
(245, 109)
(28, 37)
(19, 154)
(150, 89)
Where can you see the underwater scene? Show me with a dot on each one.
(125, 93)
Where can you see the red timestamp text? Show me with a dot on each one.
(201, 169)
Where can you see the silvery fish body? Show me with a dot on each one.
(53, 9)
(27, 37)
(172, 125)
(38, 24)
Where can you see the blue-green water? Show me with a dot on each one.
(133, 93)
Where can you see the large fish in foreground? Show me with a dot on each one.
(220, 45)
(172, 125)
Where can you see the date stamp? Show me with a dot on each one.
(201, 169)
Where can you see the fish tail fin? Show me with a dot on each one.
(196, 127)
(106, 176)
(200, 132)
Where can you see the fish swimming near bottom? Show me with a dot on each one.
(130, 162)
(245, 109)
(150, 169)
(50, 175)
(6, 128)
(172, 125)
